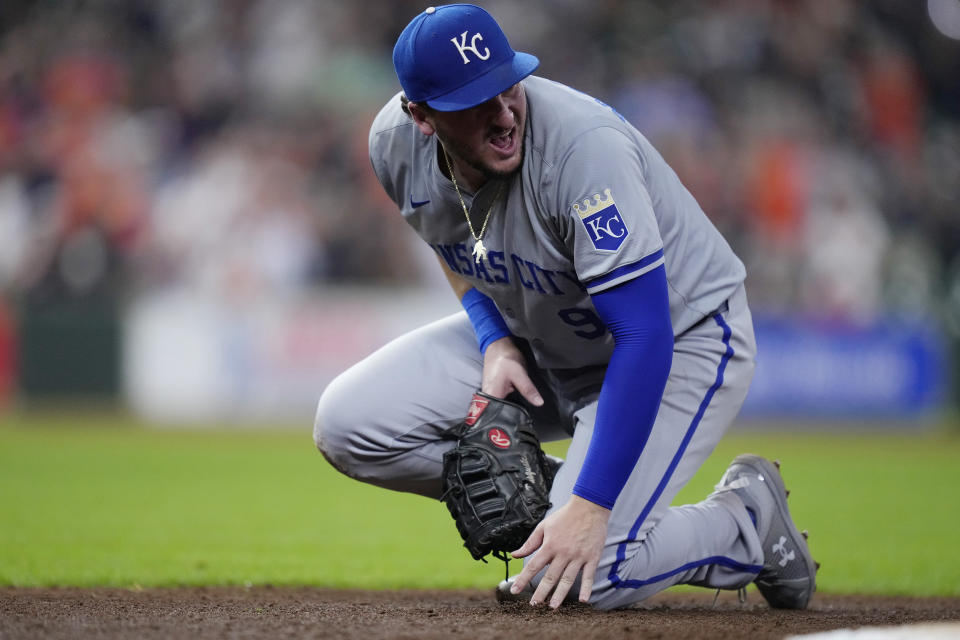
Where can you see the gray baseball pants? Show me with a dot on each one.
(381, 422)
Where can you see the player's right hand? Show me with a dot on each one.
(568, 543)
(504, 371)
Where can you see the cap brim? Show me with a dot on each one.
(487, 86)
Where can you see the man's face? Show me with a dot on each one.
(485, 141)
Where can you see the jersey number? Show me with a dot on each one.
(589, 324)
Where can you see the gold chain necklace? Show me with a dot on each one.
(479, 251)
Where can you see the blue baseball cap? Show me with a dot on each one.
(455, 57)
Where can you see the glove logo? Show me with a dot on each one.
(499, 438)
(477, 405)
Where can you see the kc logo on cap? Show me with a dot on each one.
(462, 47)
(455, 57)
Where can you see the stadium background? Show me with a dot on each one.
(189, 227)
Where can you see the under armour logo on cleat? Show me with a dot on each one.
(781, 548)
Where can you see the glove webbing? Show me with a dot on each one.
(480, 463)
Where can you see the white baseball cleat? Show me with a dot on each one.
(788, 577)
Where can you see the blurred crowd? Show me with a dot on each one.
(221, 145)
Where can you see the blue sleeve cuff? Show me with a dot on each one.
(599, 498)
(487, 322)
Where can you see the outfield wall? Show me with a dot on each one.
(188, 359)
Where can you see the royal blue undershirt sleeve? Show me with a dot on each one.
(637, 313)
(487, 322)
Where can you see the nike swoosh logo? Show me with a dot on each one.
(417, 204)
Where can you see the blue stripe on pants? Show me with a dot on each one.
(615, 579)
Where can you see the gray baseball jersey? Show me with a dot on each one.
(593, 205)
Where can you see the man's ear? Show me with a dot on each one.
(422, 118)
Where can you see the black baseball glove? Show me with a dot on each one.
(496, 481)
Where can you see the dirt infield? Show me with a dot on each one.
(267, 612)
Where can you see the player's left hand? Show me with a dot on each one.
(570, 541)
(504, 371)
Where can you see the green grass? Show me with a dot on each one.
(881, 507)
(100, 501)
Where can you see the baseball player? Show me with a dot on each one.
(596, 292)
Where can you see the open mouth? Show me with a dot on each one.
(505, 143)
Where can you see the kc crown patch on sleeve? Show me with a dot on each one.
(602, 220)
